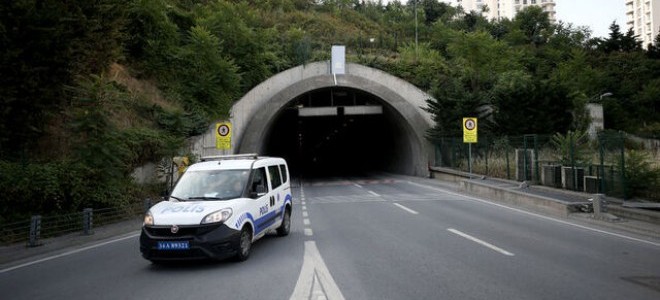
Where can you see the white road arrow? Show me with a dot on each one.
(315, 281)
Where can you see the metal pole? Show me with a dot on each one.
(470, 158)
(508, 165)
(147, 204)
(35, 231)
(623, 166)
(88, 221)
(536, 159)
(573, 172)
(601, 170)
(524, 157)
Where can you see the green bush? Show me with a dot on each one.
(642, 179)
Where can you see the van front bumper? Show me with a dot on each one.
(215, 241)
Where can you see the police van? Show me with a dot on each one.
(218, 208)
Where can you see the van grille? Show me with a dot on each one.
(191, 230)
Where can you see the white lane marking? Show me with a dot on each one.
(305, 214)
(406, 209)
(308, 232)
(68, 253)
(315, 280)
(304, 207)
(303, 203)
(355, 184)
(478, 241)
(539, 216)
(374, 193)
(306, 221)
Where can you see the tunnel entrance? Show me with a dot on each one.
(339, 131)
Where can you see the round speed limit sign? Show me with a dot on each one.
(470, 124)
(223, 130)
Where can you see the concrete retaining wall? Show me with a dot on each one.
(510, 194)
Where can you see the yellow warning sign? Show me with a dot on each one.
(223, 135)
(470, 130)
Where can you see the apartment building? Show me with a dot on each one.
(643, 16)
(499, 9)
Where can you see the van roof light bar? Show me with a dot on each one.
(233, 156)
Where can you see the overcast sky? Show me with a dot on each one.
(595, 14)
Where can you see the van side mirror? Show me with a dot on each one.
(257, 191)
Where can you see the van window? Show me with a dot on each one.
(258, 184)
(275, 179)
(284, 174)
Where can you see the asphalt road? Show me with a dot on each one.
(375, 238)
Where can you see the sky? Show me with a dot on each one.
(595, 14)
(598, 15)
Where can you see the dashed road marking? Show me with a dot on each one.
(537, 215)
(406, 209)
(374, 193)
(308, 232)
(478, 241)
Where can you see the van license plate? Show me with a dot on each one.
(181, 245)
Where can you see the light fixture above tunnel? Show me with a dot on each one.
(340, 110)
(336, 102)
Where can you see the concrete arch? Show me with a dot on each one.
(253, 115)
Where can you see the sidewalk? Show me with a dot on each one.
(17, 254)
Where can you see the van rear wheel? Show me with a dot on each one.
(285, 228)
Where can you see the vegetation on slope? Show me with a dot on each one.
(89, 90)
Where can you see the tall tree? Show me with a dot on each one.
(44, 45)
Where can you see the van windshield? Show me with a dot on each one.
(211, 185)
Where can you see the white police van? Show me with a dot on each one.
(218, 208)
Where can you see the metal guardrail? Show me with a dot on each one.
(38, 227)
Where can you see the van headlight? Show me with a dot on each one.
(148, 219)
(218, 216)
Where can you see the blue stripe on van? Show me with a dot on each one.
(265, 221)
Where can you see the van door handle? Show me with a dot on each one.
(272, 200)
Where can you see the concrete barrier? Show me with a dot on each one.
(516, 198)
(517, 194)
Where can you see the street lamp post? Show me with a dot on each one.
(608, 94)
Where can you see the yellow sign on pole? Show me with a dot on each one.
(470, 130)
(223, 135)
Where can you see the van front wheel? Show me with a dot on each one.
(244, 244)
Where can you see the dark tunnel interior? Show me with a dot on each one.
(342, 142)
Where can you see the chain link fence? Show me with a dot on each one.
(611, 164)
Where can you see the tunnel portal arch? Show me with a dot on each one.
(254, 115)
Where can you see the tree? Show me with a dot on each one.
(617, 41)
(435, 10)
(629, 42)
(44, 45)
(654, 48)
(534, 24)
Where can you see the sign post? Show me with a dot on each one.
(470, 137)
(223, 135)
